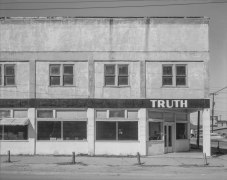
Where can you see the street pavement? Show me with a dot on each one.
(188, 165)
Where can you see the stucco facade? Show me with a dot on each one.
(141, 47)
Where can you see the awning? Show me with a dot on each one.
(14, 121)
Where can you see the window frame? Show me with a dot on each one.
(11, 115)
(62, 75)
(3, 75)
(116, 75)
(174, 75)
(61, 120)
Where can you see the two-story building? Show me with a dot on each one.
(113, 86)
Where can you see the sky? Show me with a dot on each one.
(216, 10)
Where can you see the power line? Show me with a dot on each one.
(113, 7)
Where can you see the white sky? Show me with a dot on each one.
(217, 12)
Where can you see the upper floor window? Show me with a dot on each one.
(7, 74)
(61, 75)
(174, 75)
(116, 75)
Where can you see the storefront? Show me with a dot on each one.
(99, 127)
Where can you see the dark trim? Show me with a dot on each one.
(94, 103)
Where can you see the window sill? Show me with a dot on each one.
(14, 140)
(59, 86)
(60, 140)
(174, 87)
(126, 86)
(118, 141)
(8, 86)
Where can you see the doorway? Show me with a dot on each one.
(168, 137)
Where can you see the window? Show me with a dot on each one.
(127, 130)
(181, 131)
(74, 130)
(7, 74)
(167, 77)
(55, 75)
(5, 114)
(116, 75)
(155, 115)
(117, 113)
(174, 75)
(45, 113)
(180, 75)
(155, 131)
(49, 130)
(61, 75)
(15, 132)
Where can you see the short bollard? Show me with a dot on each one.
(205, 159)
(74, 161)
(138, 158)
(9, 160)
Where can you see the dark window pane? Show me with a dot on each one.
(74, 130)
(110, 80)
(167, 81)
(54, 80)
(181, 130)
(117, 113)
(170, 136)
(68, 80)
(181, 70)
(9, 70)
(68, 69)
(123, 70)
(9, 80)
(15, 132)
(0, 80)
(1, 132)
(0, 75)
(167, 70)
(44, 113)
(109, 69)
(105, 130)
(181, 81)
(155, 130)
(54, 69)
(123, 80)
(49, 130)
(127, 130)
(4, 113)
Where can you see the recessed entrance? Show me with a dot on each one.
(168, 137)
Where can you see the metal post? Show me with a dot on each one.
(9, 160)
(73, 160)
(198, 129)
(212, 126)
(205, 159)
(138, 158)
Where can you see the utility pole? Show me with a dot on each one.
(213, 103)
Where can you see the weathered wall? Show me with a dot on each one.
(105, 34)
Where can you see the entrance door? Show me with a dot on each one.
(168, 138)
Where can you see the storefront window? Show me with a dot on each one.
(155, 131)
(1, 132)
(181, 130)
(117, 130)
(49, 130)
(15, 132)
(74, 130)
(127, 130)
(105, 130)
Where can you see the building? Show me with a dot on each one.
(102, 85)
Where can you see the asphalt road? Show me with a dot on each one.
(118, 176)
